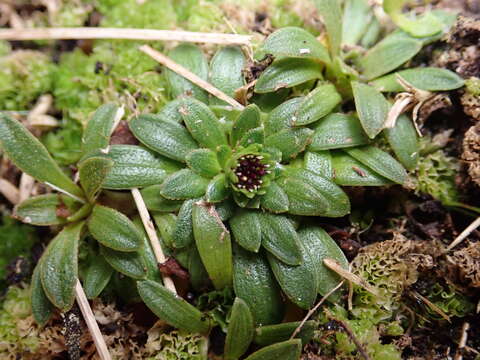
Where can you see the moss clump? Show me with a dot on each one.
(175, 345)
(25, 75)
(65, 143)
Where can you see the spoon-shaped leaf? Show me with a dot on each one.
(351, 172)
(42, 308)
(59, 267)
(40, 210)
(404, 142)
(93, 173)
(240, 330)
(183, 233)
(358, 15)
(283, 116)
(97, 276)
(290, 142)
(247, 120)
(127, 263)
(271, 334)
(204, 162)
(156, 202)
(319, 162)
(331, 14)
(100, 127)
(287, 350)
(275, 199)
(30, 156)
(317, 104)
(247, 230)
(184, 184)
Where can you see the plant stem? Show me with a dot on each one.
(152, 236)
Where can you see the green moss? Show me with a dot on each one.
(175, 345)
(472, 86)
(451, 302)
(25, 75)
(65, 143)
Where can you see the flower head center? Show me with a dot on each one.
(250, 171)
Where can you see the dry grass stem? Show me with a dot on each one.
(26, 186)
(123, 34)
(463, 341)
(152, 236)
(431, 305)
(91, 322)
(9, 191)
(187, 74)
(334, 266)
(469, 229)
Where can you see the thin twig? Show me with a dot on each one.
(470, 228)
(315, 308)
(169, 63)
(431, 305)
(334, 266)
(91, 322)
(350, 334)
(123, 34)
(26, 186)
(152, 236)
(463, 341)
(9, 191)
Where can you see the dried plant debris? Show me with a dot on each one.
(471, 98)
(471, 152)
(464, 265)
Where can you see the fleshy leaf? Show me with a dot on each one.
(331, 14)
(358, 15)
(275, 199)
(171, 308)
(246, 229)
(217, 189)
(271, 334)
(280, 238)
(97, 276)
(287, 350)
(100, 127)
(42, 308)
(226, 71)
(290, 142)
(166, 224)
(156, 202)
(282, 116)
(317, 104)
(30, 156)
(240, 330)
(204, 162)
(253, 282)
(248, 119)
(183, 233)
(166, 137)
(294, 42)
(127, 263)
(380, 162)
(404, 142)
(184, 184)
(319, 162)
(372, 108)
(424, 78)
(93, 173)
(213, 244)
(40, 210)
(286, 73)
(351, 172)
(113, 229)
(59, 267)
(338, 131)
(253, 136)
(388, 55)
(191, 57)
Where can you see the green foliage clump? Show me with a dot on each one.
(436, 172)
(16, 239)
(472, 86)
(217, 304)
(175, 345)
(450, 301)
(65, 143)
(25, 75)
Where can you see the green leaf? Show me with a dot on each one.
(253, 282)
(30, 156)
(372, 108)
(294, 42)
(358, 15)
(424, 25)
(217, 189)
(146, 253)
(166, 137)
(275, 199)
(351, 172)
(191, 57)
(280, 238)
(166, 224)
(321, 246)
(156, 202)
(59, 267)
(331, 13)
(97, 276)
(380, 162)
(198, 274)
(226, 71)
(40, 210)
(171, 111)
(93, 172)
(246, 229)
(404, 142)
(317, 104)
(271, 334)
(387, 55)
(287, 350)
(172, 309)
(319, 162)
(290, 142)
(298, 282)
(282, 116)
(127, 263)
(183, 233)
(312, 195)
(286, 73)
(42, 308)
(204, 162)
(113, 229)
(426, 78)
(184, 184)
(202, 124)
(100, 127)
(338, 131)
(372, 33)
(213, 244)
(253, 136)
(240, 330)
(135, 166)
(248, 119)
